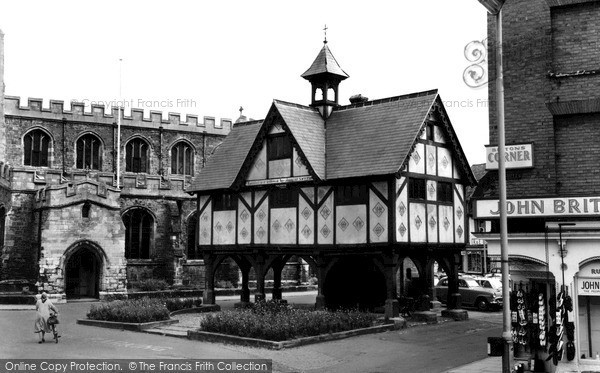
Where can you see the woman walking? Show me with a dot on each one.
(43, 307)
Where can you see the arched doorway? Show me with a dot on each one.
(82, 272)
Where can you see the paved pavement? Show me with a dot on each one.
(444, 347)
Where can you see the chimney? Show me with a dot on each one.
(357, 99)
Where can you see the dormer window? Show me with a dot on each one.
(279, 147)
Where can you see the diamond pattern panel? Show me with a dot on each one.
(343, 224)
(378, 230)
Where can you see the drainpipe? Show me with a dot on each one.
(160, 150)
(64, 123)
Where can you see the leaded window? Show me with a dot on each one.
(36, 147)
(182, 159)
(138, 233)
(88, 152)
(136, 157)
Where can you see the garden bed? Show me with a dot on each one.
(138, 327)
(276, 324)
(255, 342)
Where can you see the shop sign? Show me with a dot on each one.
(589, 286)
(281, 180)
(515, 156)
(534, 207)
(477, 241)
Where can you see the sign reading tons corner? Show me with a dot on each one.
(516, 156)
(533, 207)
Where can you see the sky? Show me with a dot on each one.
(208, 58)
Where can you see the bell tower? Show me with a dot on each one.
(324, 75)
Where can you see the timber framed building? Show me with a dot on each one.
(352, 190)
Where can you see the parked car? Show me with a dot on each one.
(471, 293)
(490, 283)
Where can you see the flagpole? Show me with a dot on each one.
(119, 127)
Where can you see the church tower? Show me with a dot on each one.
(324, 75)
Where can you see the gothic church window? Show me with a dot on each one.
(182, 159)
(88, 152)
(136, 156)
(36, 146)
(138, 233)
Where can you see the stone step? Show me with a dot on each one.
(167, 332)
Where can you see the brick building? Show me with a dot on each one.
(353, 190)
(65, 224)
(552, 113)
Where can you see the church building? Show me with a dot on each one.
(84, 216)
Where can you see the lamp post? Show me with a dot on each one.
(562, 254)
(495, 7)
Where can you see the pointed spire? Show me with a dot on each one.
(325, 63)
(324, 75)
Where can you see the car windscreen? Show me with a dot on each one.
(471, 282)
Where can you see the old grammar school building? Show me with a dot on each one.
(353, 190)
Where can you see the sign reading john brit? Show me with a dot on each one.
(534, 207)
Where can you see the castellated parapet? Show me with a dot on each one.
(98, 115)
(99, 229)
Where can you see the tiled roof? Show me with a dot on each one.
(222, 168)
(325, 63)
(358, 140)
(308, 129)
(478, 172)
(374, 137)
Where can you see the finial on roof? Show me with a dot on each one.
(241, 109)
(325, 30)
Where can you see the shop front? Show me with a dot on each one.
(554, 259)
(587, 287)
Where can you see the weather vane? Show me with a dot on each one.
(325, 30)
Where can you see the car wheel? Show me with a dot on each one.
(482, 304)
